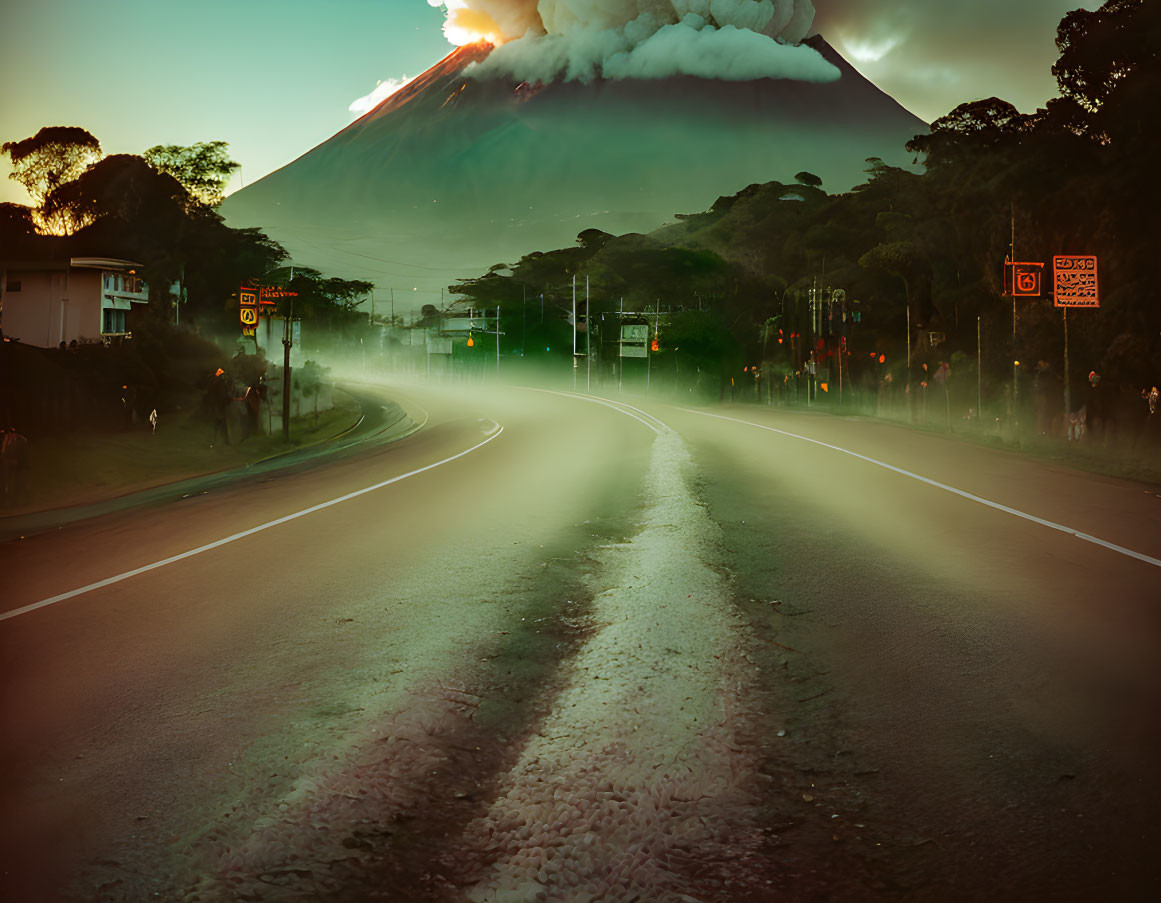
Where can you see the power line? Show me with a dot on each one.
(418, 266)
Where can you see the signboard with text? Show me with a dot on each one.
(248, 308)
(1074, 281)
(1023, 279)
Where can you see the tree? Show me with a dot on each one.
(808, 178)
(121, 187)
(1109, 70)
(203, 168)
(329, 299)
(16, 223)
(968, 130)
(52, 157)
(905, 260)
(311, 377)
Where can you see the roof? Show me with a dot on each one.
(103, 263)
(60, 263)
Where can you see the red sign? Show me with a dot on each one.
(265, 294)
(1022, 280)
(248, 306)
(1074, 281)
(252, 297)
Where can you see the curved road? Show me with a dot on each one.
(555, 647)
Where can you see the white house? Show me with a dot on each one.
(47, 302)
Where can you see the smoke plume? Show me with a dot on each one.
(588, 39)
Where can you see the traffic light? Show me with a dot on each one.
(656, 346)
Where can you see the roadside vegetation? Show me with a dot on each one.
(87, 408)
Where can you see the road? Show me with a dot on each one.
(566, 648)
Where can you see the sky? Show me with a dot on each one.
(274, 78)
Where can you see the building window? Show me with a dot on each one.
(13, 285)
(114, 321)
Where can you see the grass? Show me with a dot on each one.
(90, 466)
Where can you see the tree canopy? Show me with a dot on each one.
(203, 168)
(121, 187)
(52, 157)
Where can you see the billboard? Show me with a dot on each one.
(634, 339)
(1074, 281)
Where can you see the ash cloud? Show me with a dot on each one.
(643, 39)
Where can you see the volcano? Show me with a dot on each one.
(453, 173)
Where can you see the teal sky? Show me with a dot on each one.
(271, 77)
(274, 78)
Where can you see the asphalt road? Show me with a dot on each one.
(551, 647)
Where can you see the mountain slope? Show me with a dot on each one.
(453, 174)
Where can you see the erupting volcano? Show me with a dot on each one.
(477, 162)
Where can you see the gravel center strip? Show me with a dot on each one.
(637, 768)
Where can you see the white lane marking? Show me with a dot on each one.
(1140, 556)
(625, 404)
(618, 406)
(109, 581)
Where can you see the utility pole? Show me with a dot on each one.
(908, 344)
(287, 340)
(588, 340)
(1015, 358)
(180, 292)
(497, 341)
(649, 351)
(574, 332)
(1067, 388)
(392, 307)
(841, 348)
(979, 376)
(620, 342)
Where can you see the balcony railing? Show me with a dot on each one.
(123, 284)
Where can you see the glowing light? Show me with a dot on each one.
(471, 341)
(868, 52)
(468, 26)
